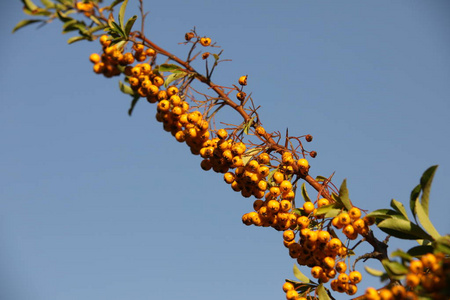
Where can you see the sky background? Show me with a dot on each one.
(97, 205)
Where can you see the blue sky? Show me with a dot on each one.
(97, 205)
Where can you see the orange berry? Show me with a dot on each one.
(412, 280)
(288, 235)
(322, 202)
(263, 158)
(386, 294)
(241, 96)
(243, 80)
(344, 218)
(355, 277)
(285, 206)
(205, 41)
(291, 295)
(416, 267)
(316, 271)
(222, 134)
(308, 207)
(323, 236)
(260, 130)
(94, 58)
(341, 267)
(355, 213)
(302, 163)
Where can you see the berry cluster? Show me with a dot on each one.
(427, 277)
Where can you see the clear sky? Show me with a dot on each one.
(97, 205)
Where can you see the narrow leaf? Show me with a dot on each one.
(398, 206)
(343, 194)
(63, 17)
(394, 268)
(114, 4)
(425, 182)
(330, 211)
(373, 272)
(133, 104)
(424, 220)
(322, 293)
(384, 213)
(129, 25)
(24, 23)
(123, 7)
(114, 27)
(75, 39)
(126, 89)
(168, 67)
(48, 3)
(299, 275)
(173, 77)
(403, 229)
(412, 200)
(402, 254)
(30, 5)
(305, 193)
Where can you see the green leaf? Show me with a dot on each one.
(168, 68)
(402, 254)
(394, 269)
(321, 178)
(173, 77)
(305, 193)
(116, 29)
(96, 20)
(403, 229)
(248, 125)
(249, 154)
(216, 57)
(114, 4)
(424, 220)
(343, 195)
(126, 89)
(299, 275)
(129, 25)
(373, 272)
(24, 23)
(63, 17)
(330, 211)
(420, 250)
(75, 39)
(123, 7)
(48, 3)
(398, 206)
(322, 293)
(425, 182)
(385, 213)
(133, 104)
(30, 5)
(412, 200)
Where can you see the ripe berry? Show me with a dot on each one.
(241, 96)
(243, 80)
(355, 277)
(355, 213)
(94, 58)
(308, 207)
(205, 41)
(303, 164)
(287, 286)
(341, 267)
